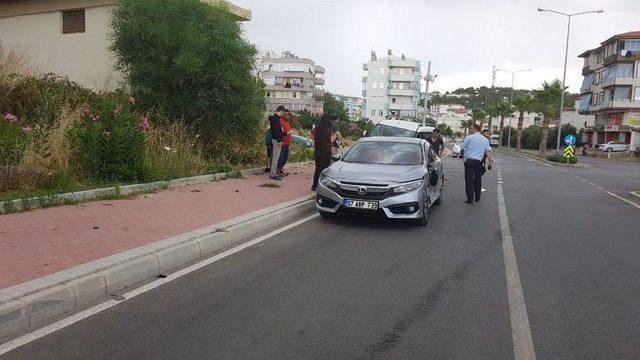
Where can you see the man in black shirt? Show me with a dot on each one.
(436, 143)
(276, 139)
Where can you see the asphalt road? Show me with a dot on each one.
(364, 289)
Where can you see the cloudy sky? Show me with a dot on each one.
(462, 38)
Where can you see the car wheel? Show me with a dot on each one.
(609, 150)
(424, 219)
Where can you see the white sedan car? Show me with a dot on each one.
(612, 146)
(455, 149)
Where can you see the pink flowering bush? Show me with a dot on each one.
(13, 139)
(109, 143)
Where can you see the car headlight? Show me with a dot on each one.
(406, 187)
(328, 182)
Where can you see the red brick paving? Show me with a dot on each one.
(45, 241)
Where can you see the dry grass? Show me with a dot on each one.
(172, 151)
(14, 61)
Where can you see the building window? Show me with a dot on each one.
(401, 71)
(373, 113)
(73, 21)
(394, 86)
(598, 77)
(380, 113)
(599, 57)
(393, 100)
(381, 85)
(382, 71)
(601, 97)
(374, 85)
(375, 71)
(401, 86)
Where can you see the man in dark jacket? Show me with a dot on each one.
(276, 139)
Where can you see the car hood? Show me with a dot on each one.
(374, 173)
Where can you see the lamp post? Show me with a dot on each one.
(566, 54)
(429, 79)
(513, 78)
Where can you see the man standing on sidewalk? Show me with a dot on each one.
(276, 139)
(475, 147)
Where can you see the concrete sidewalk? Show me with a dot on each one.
(45, 241)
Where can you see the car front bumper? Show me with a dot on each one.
(394, 207)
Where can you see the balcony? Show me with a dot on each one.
(406, 78)
(618, 104)
(403, 92)
(318, 81)
(403, 63)
(616, 58)
(619, 80)
(402, 106)
(365, 67)
(319, 69)
(587, 70)
(317, 92)
(364, 79)
(364, 93)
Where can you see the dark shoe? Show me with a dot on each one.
(313, 188)
(477, 199)
(267, 170)
(469, 201)
(275, 177)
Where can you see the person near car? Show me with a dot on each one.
(475, 147)
(269, 145)
(324, 138)
(286, 143)
(335, 127)
(436, 143)
(277, 137)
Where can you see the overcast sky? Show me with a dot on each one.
(462, 38)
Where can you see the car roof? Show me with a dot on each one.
(402, 124)
(409, 140)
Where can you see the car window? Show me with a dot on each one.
(431, 155)
(385, 153)
(385, 130)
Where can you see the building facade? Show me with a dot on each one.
(69, 37)
(611, 89)
(391, 88)
(353, 104)
(293, 82)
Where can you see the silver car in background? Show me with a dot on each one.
(392, 177)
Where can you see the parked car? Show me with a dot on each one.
(392, 177)
(456, 149)
(495, 140)
(614, 146)
(400, 128)
(304, 141)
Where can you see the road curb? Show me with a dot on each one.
(86, 195)
(34, 302)
(534, 157)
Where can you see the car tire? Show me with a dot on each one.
(424, 219)
(609, 150)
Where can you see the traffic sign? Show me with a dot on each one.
(569, 152)
(570, 140)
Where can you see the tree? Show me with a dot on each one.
(522, 104)
(189, 61)
(466, 124)
(478, 116)
(307, 120)
(547, 101)
(491, 111)
(503, 109)
(333, 106)
(444, 129)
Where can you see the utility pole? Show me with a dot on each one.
(429, 78)
(493, 77)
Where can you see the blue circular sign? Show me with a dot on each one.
(570, 140)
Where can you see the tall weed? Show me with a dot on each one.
(172, 151)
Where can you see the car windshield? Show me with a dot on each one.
(385, 153)
(385, 130)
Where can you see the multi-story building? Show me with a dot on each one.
(70, 37)
(293, 82)
(353, 105)
(391, 89)
(611, 89)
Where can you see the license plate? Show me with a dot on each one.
(359, 204)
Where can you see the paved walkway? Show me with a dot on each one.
(45, 241)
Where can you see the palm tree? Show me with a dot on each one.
(478, 115)
(466, 124)
(522, 104)
(547, 101)
(492, 111)
(503, 109)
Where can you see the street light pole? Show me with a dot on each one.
(428, 79)
(566, 54)
(513, 79)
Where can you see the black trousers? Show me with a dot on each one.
(323, 160)
(473, 178)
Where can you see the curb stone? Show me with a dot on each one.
(85, 195)
(34, 302)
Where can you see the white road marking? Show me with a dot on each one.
(592, 184)
(623, 199)
(600, 188)
(583, 179)
(520, 329)
(37, 334)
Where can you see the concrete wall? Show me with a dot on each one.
(84, 57)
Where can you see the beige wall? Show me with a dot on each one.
(84, 58)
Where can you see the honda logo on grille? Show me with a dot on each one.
(362, 190)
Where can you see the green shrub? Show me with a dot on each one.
(299, 153)
(173, 151)
(13, 139)
(109, 143)
(188, 60)
(559, 158)
(636, 152)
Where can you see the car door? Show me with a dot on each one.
(434, 164)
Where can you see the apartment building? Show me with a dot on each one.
(611, 89)
(70, 37)
(293, 82)
(391, 88)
